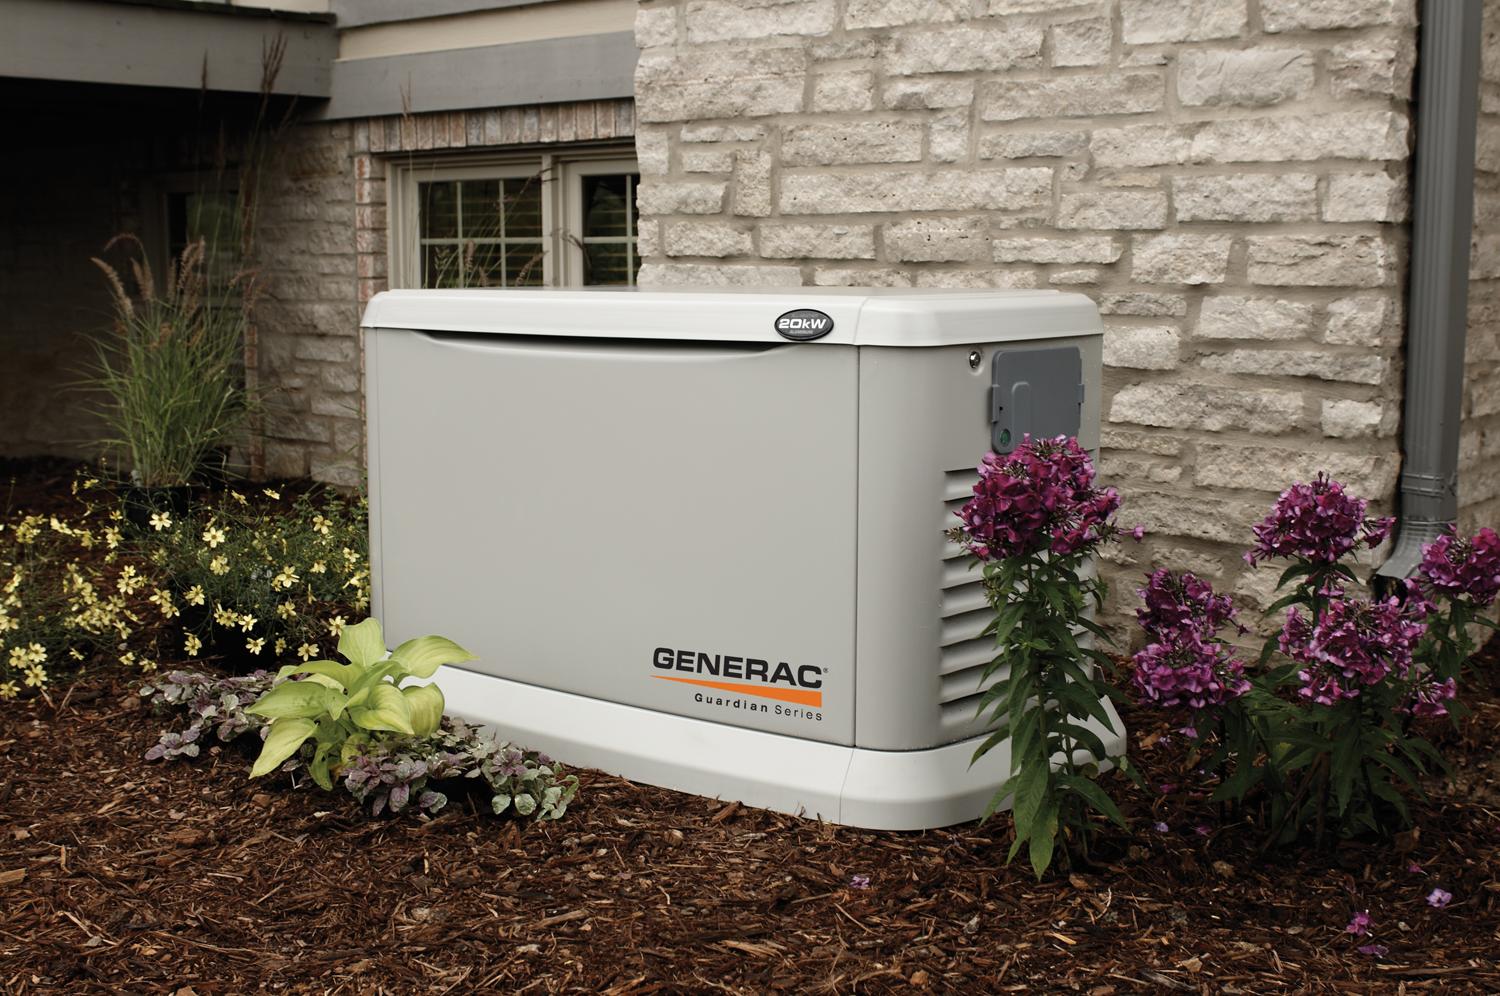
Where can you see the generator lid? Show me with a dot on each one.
(848, 316)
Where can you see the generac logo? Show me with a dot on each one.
(752, 675)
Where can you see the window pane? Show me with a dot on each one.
(523, 264)
(439, 206)
(605, 206)
(523, 208)
(606, 263)
(481, 203)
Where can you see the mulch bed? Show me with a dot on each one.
(123, 876)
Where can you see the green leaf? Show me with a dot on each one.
(1043, 839)
(387, 710)
(422, 656)
(362, 643)
(1295, 571)
(500, 802)
(319, 767)
(525, 803)
(281, 743)
(293, 700)
(1032, 795)
(426, 705)
(1094, 795)
(344, 674)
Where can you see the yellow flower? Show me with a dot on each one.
(274, 495)
(36, 676)
(163, 599)
(194, 595)
(320, 524)
(9, 690)
(160, 521)
(128, 658)
(213, 536)
(280, 646)
(318, 567)
(225, 617)
(219, 565)
(247, 622)
(286, 579)
(254, 645)
(336, 625)
(307, 651)
(129, 581)
(73, 653)
(192, 645)
(286, 610)
(148, 664)
(239, 497)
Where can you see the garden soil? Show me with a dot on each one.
(119, 875)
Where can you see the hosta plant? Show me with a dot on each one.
(1035, 523)
(339, 706)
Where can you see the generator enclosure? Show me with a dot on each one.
(697, 538)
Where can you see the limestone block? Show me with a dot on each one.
(1262, 318)
(1141, 347)
(1112, 209)
(779, 241)
(1180, 259)
(962, 49)
(835, 142)
(733, 20)
(1072, 96)
(1084, 249)
(1320, 260)
(1352, 368)
(1255, 197)
(930, 240)
(1214, 409)
(1251, 77)
(937, 190)
(1152, 21)
(704, 238)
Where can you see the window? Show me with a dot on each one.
(548, 221)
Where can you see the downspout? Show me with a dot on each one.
(1437, 313)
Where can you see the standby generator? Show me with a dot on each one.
(697, 537)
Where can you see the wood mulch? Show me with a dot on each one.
(122, 876)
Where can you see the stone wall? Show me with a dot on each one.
(1227, 178)
(1479, 454)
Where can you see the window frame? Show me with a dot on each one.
(573, 174)
(561, 172)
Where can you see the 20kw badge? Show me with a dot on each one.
(804, 325)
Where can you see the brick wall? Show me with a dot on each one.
(1479, 454)
(1227, 178)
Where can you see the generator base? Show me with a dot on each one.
(853, 786)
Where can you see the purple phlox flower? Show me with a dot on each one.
(1203, 829)
(1167, 787)
(1469, 566)
(1428, 696)
(1319, 522)
(1138, 532)
(1191, 732)
(1439, 898)
(1191, 674)
(1378, 950)
(859, 882)
(1182, 603)
(1359, 924)
(1039, 497)
(1354, 644)
(1415, 868)
(1160, 827)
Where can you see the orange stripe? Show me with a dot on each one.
(797, 695)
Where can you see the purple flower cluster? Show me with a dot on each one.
(1458, 565)
(1184, 663)
(1039, 497)
(1320, 522)
(1353, 644)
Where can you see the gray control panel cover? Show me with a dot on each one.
(1036, 391)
